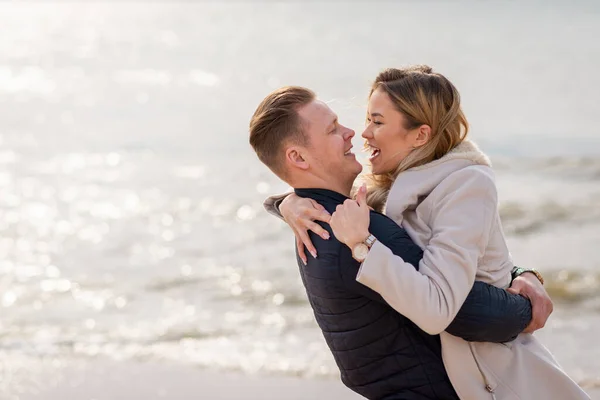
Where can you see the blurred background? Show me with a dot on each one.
(131, 220)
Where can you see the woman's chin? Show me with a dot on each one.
(379, 171)
(376, 171)
(376, 168)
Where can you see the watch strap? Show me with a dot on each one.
(370, 240)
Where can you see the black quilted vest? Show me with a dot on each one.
(380, 353)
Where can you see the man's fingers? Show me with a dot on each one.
(300, 247)
(530, 328)
(549, 306)
(517, 285)
(527, 285)
(541, 310)
(538, 320)
(534, 315)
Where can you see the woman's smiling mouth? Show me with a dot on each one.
(373, 150)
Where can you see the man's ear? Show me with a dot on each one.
(294, 158)
(423, 135)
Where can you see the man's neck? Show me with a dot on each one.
(317, 183)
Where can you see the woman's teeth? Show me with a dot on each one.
(374, 153)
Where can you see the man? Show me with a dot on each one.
(380, 353)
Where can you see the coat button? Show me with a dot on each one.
(489, 388)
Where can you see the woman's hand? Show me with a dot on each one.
(350, 221)
(300, 214)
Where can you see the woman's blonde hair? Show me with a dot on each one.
(424, 97)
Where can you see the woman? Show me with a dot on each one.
(440, 187)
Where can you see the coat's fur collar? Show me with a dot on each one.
(467, 150)
(412, 185)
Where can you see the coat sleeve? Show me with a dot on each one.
(271, 204)
(489, 314)
(462, 218)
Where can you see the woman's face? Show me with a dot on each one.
(386, 136)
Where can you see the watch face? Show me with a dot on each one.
(360, 251)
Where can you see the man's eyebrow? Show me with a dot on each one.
(332, 124)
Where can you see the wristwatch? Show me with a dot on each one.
(360, 250)
(520, 271)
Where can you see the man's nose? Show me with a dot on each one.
(349, 134)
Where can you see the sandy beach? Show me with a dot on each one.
(109, 380)
(113, 380)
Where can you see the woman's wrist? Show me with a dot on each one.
(284, 206)
(358, 238)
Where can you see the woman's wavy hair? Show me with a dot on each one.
(424, 97)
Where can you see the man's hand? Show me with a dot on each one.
(300, 214)
(529, 286)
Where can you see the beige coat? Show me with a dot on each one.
(450, 208)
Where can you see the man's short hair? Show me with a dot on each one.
(276, 123)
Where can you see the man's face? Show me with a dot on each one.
(329, 144)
